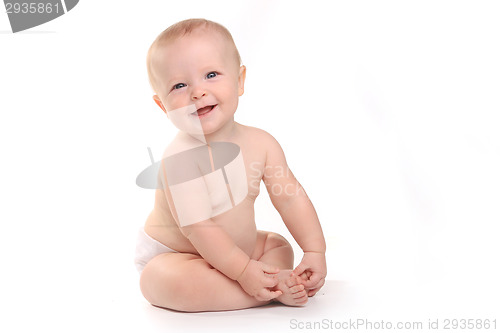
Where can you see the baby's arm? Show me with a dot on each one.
(298, 214)
(220, 251)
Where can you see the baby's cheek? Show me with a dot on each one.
(175, 103)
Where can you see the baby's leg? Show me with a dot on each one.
(186, 282)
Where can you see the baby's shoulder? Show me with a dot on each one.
(263, 144)
(258, 136)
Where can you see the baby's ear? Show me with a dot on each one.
(241, 80)
(159, 103)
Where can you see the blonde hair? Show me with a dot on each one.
(180, 29)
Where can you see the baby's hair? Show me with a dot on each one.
(180, 29)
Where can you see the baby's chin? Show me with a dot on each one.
(216, 122)
(210, 128)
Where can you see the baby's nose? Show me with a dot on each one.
(198, 93)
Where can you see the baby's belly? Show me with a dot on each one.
(238, 222)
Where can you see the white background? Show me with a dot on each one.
(388, 113)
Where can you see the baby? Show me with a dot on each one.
(200, 249)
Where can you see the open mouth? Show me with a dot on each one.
(204, 111)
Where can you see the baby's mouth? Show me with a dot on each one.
(204, 110)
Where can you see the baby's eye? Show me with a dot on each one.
(179, 86)
(211, 75)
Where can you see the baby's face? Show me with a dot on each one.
(199, 81)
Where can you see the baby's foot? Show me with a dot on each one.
(294, 293)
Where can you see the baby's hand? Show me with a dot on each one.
(314, 265)
(257, 278)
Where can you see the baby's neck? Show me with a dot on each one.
(224, 134)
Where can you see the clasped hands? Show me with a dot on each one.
(259, 278)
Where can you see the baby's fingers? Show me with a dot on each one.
(315, 289)
(267, 295)
(270, 281)
(313, 280)
(301, 268)
(270, 269)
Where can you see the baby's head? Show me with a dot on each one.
(194, 69)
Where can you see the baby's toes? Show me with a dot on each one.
(300, 297)
(297, 288)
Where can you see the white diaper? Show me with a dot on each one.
(147, 248)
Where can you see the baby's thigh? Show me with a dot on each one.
(170, 274)
(186, 282)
